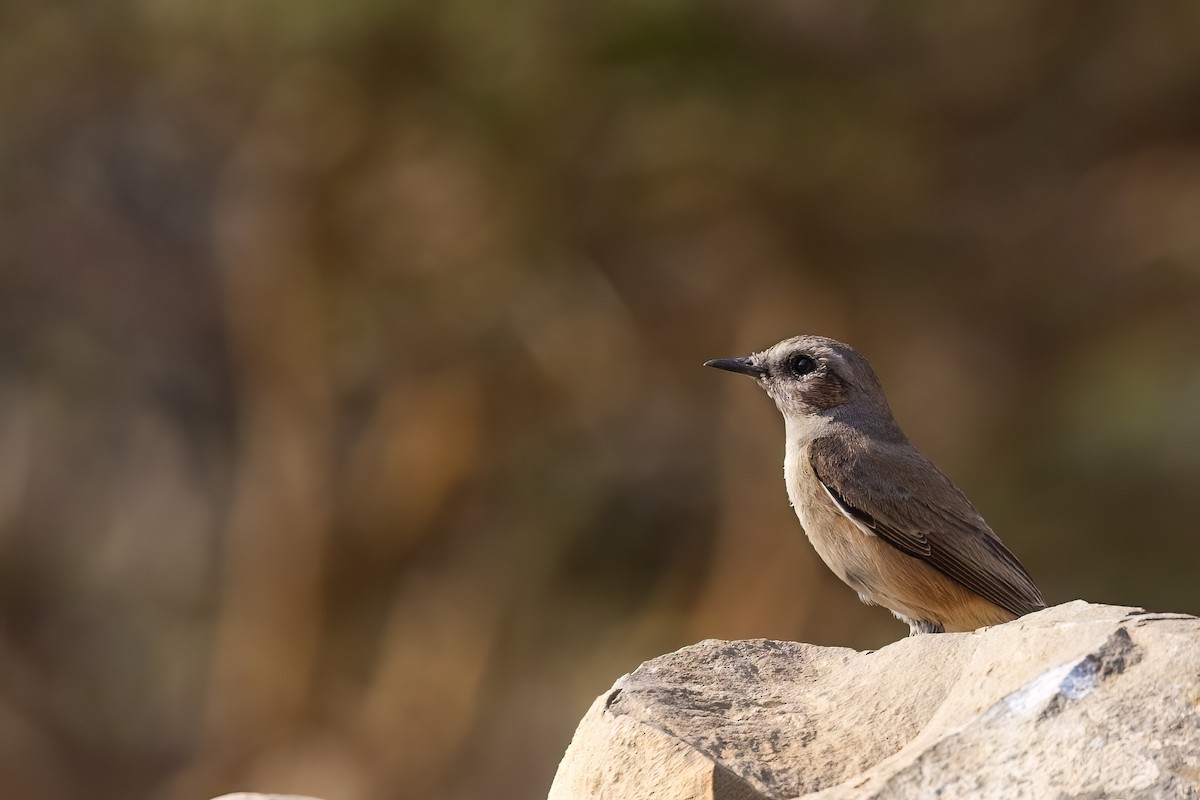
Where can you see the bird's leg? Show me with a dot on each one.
(916, 626)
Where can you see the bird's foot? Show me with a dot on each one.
(916, 626)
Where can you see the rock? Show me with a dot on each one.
(1075, 701)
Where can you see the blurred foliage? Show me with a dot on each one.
(352, 430)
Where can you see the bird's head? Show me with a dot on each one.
(813, 377)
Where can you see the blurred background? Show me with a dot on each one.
(353, 435)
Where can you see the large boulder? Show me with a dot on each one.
(1075, 701)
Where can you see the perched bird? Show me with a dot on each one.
(877, 511)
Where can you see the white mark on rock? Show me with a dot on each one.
(1073, 680)
(1039, 690)
(1081, 680)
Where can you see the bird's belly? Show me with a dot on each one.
(881, 574)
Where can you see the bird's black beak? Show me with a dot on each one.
(743, 365)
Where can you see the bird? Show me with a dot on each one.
(880, 514)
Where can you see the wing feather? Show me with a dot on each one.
(901, 497)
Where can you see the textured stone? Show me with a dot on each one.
(1075, 701)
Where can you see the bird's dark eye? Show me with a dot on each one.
(802, 365)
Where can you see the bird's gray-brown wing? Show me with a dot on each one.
(898, 494)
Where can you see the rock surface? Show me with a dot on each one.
(1077, 701)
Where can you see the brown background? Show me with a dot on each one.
(353, 434)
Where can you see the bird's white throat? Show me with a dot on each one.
(800, 431)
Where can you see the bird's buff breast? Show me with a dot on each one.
(845, 548)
